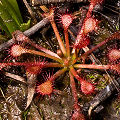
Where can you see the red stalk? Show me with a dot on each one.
(77, 113)
(67, 42)
(62, 47)
(2, 65)
(19, 36)
(92, 66)
(46, 65)
(43, 54)
(86, 87)
(66, 20)
(30, 64)
(57, 74)
(112, 67)
(74, 91)
(116, 35)
(17, 50)
(50, 16)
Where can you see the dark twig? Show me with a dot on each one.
(100, 98)
(31, 80)
(28, 32)
(29, 9)
(36, 27)
(41, 2)
(16, 77)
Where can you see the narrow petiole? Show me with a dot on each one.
(74, 72)
(46, 65)
(27, 64)
(43, 49)
(62, 47)
(50, 16)
(92, 66)
(44, 55)
(19, 36)
(67, 42)
(116, 35)
(57, 74)
(74, 91)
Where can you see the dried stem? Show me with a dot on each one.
(36, 27)
(100, 97)
(31, 80)
(28, 32)
(43, 2)
(16, 77)
(29, 9)
(44, 8)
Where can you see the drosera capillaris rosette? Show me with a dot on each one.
(64, 59)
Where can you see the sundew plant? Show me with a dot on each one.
(67, 58)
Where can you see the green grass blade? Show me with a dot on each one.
(3, 26)
(16, 8)
(7, 19)
(12, 11)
